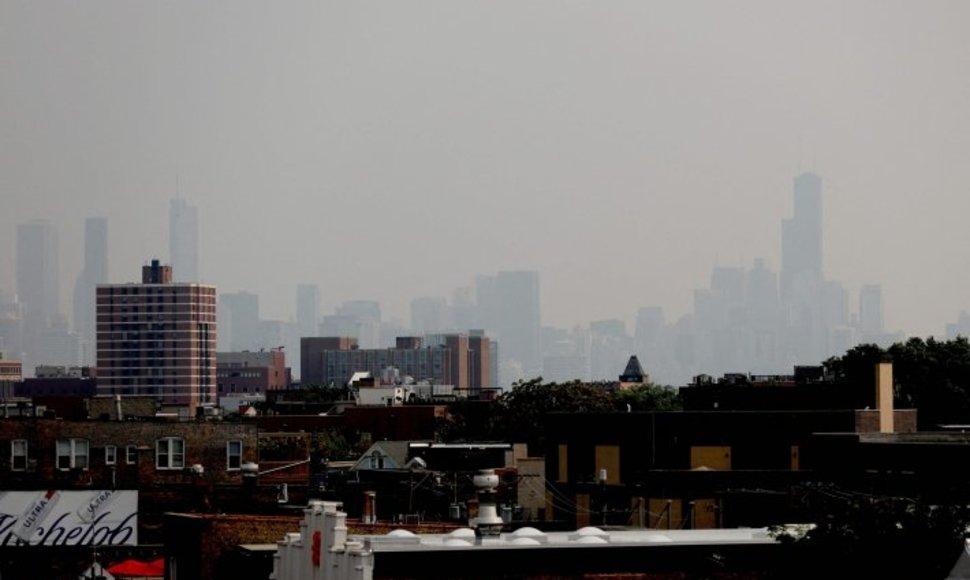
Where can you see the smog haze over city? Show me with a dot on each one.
(395, 150)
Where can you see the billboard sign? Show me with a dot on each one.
(69, 518)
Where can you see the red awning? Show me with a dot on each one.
(139, 569)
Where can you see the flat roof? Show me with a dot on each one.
(526, 538)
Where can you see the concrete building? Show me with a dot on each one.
(311, 361)
(11, 373)
(251, 373)
(456, 359)
(10, 370)
(323, 549)
(158, 338)
(59, 381)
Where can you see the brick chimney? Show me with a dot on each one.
(884, 396)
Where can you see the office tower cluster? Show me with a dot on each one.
(505, 306)
(35, 328)
(753, 318)
(748, 319)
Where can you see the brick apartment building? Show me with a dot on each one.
(251, 373)
(737, 452)
(158, 338)
(456, 359)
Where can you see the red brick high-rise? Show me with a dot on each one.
(158, 338)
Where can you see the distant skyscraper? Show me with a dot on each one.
(649, 326)
(93, 272)
(428, 314)
(307, 309)
(801, 236)
(836, 304)
(38, 281)
(183, 239)
(242, 311)
(367, 314)
(728, 283)
(158, 338)
(509, 304)
(38, 285)
(959, 328)
(870, 309)
(761, 297)
(801, 272)
(11, 326)
(338, 325)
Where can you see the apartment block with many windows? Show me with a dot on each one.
(158, 338)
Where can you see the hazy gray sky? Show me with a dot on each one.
(393, 149)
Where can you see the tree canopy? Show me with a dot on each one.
(518, 414)
(930, 375)
(864, 536)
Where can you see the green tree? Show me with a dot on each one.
(469, 420)
(929, 375)
(648, 397)
(854, 535)
(319, 394)
(856, 368)
(334, 446)
(523, 409)
(934, 377)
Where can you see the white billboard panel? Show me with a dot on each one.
(69, 518)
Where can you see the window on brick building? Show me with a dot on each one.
(131, 455)
(72, 454)
(170, 453)
(18, 455)
(233, 454)
(110, 455)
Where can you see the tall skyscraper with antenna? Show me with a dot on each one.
(801, 236)
(183, 239)
(93, 272)
(802, 278)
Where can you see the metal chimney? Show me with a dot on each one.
(369, 515)
(488, 523)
